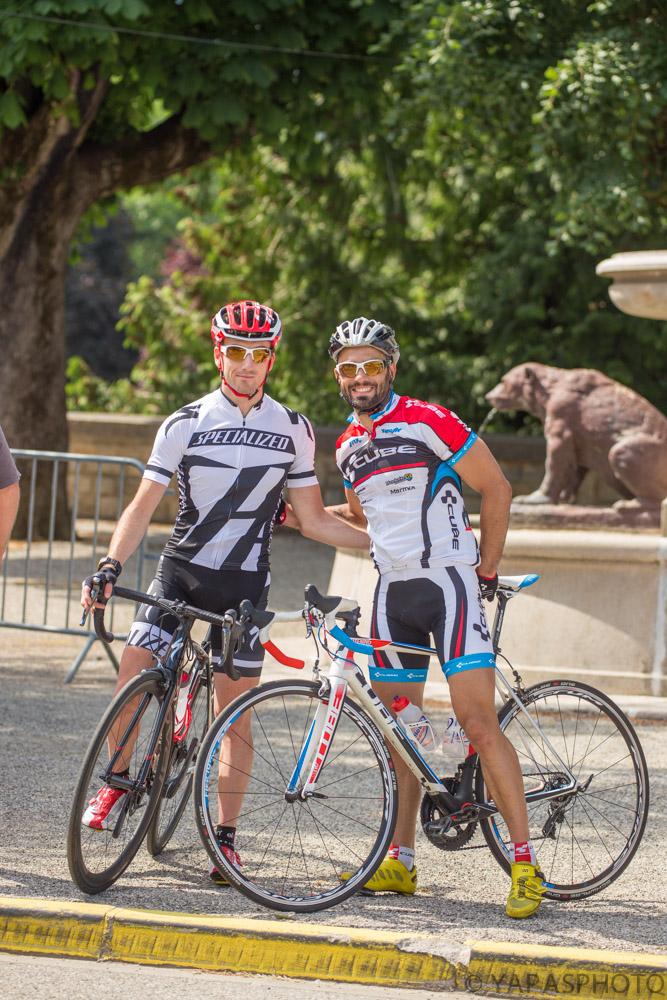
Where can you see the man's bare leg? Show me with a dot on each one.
(236, 750)
(472, 693)
(409, 789)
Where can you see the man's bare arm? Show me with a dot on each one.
(351, 511)
(480, 470)
(322, 524)
(131, 528)
(9, 505)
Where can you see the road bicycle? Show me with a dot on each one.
(303, 769)
(154, 728)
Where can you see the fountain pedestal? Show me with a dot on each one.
(597, 613)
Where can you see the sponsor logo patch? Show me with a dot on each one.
(240, 436)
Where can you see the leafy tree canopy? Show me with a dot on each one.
(98, 96)
(517, 144)
(539, 136)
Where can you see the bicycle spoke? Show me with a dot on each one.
(97, 857)
(294, 850)
(587, 835)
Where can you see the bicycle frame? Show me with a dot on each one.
(167, 665)
(345, 675)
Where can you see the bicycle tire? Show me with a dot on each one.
(293, 853)
(177, 786)
(97, 858)
(586, 838)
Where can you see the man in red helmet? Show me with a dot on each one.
(234, 450)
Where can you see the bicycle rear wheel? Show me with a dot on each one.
(293, 853)
(584, 838)
(185, 748)
(96, 857)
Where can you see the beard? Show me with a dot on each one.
(374, 400)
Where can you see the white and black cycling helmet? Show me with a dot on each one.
(362, 332)
(247, 321)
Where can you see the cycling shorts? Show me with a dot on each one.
(410, 606)
(210, 590)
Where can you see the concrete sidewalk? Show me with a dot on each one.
(280, 948)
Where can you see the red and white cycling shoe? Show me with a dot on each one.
(232, 856)
(102, 811)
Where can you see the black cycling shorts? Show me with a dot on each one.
(411, 605)
(208, 589)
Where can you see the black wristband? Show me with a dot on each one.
(108, 561)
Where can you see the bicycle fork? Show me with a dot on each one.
(316, 745)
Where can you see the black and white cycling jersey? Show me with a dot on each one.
(231, 473)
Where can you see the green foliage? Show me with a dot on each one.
(516, 145)
(208, 72)
(544, 129)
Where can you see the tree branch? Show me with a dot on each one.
(102, 169)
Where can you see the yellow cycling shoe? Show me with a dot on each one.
(527, 890)
(391, 876)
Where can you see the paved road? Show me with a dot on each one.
(44, 730)
(25, 977)
(43, 734)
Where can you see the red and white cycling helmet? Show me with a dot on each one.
(362, 332)
(247, 321)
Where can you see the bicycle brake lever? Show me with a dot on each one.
(94, 594)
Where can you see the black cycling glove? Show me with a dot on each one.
(487, 586)
(99, 579)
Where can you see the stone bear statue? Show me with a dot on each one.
(590, 422)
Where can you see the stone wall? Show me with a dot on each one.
(521, 458)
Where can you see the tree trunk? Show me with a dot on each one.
(32, 349)
(52, 176)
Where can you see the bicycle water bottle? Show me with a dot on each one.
(416, 724)
(183, 715)
(455, 742)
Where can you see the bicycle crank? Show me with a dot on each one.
(448, 831)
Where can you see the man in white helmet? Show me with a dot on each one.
(233, 450)
(403, 461)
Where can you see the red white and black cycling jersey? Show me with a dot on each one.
(231, 474)
(403, 475)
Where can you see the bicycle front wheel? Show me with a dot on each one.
(297, 854)
(125, 739)
(185, 748)
(584, 838)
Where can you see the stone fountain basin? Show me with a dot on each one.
(639, 282)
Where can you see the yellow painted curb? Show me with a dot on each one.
(586, 974)
(285, 947)
(272, 947)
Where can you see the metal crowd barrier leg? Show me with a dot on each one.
(82, 655)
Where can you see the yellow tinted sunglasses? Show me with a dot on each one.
(350, 369)
(237, 353)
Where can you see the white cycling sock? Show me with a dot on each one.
(405, 855)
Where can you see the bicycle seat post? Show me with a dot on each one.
(502, 599)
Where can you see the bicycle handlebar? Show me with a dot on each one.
(178, 608)
(329, 606)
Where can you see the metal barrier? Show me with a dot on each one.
(37, 585)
